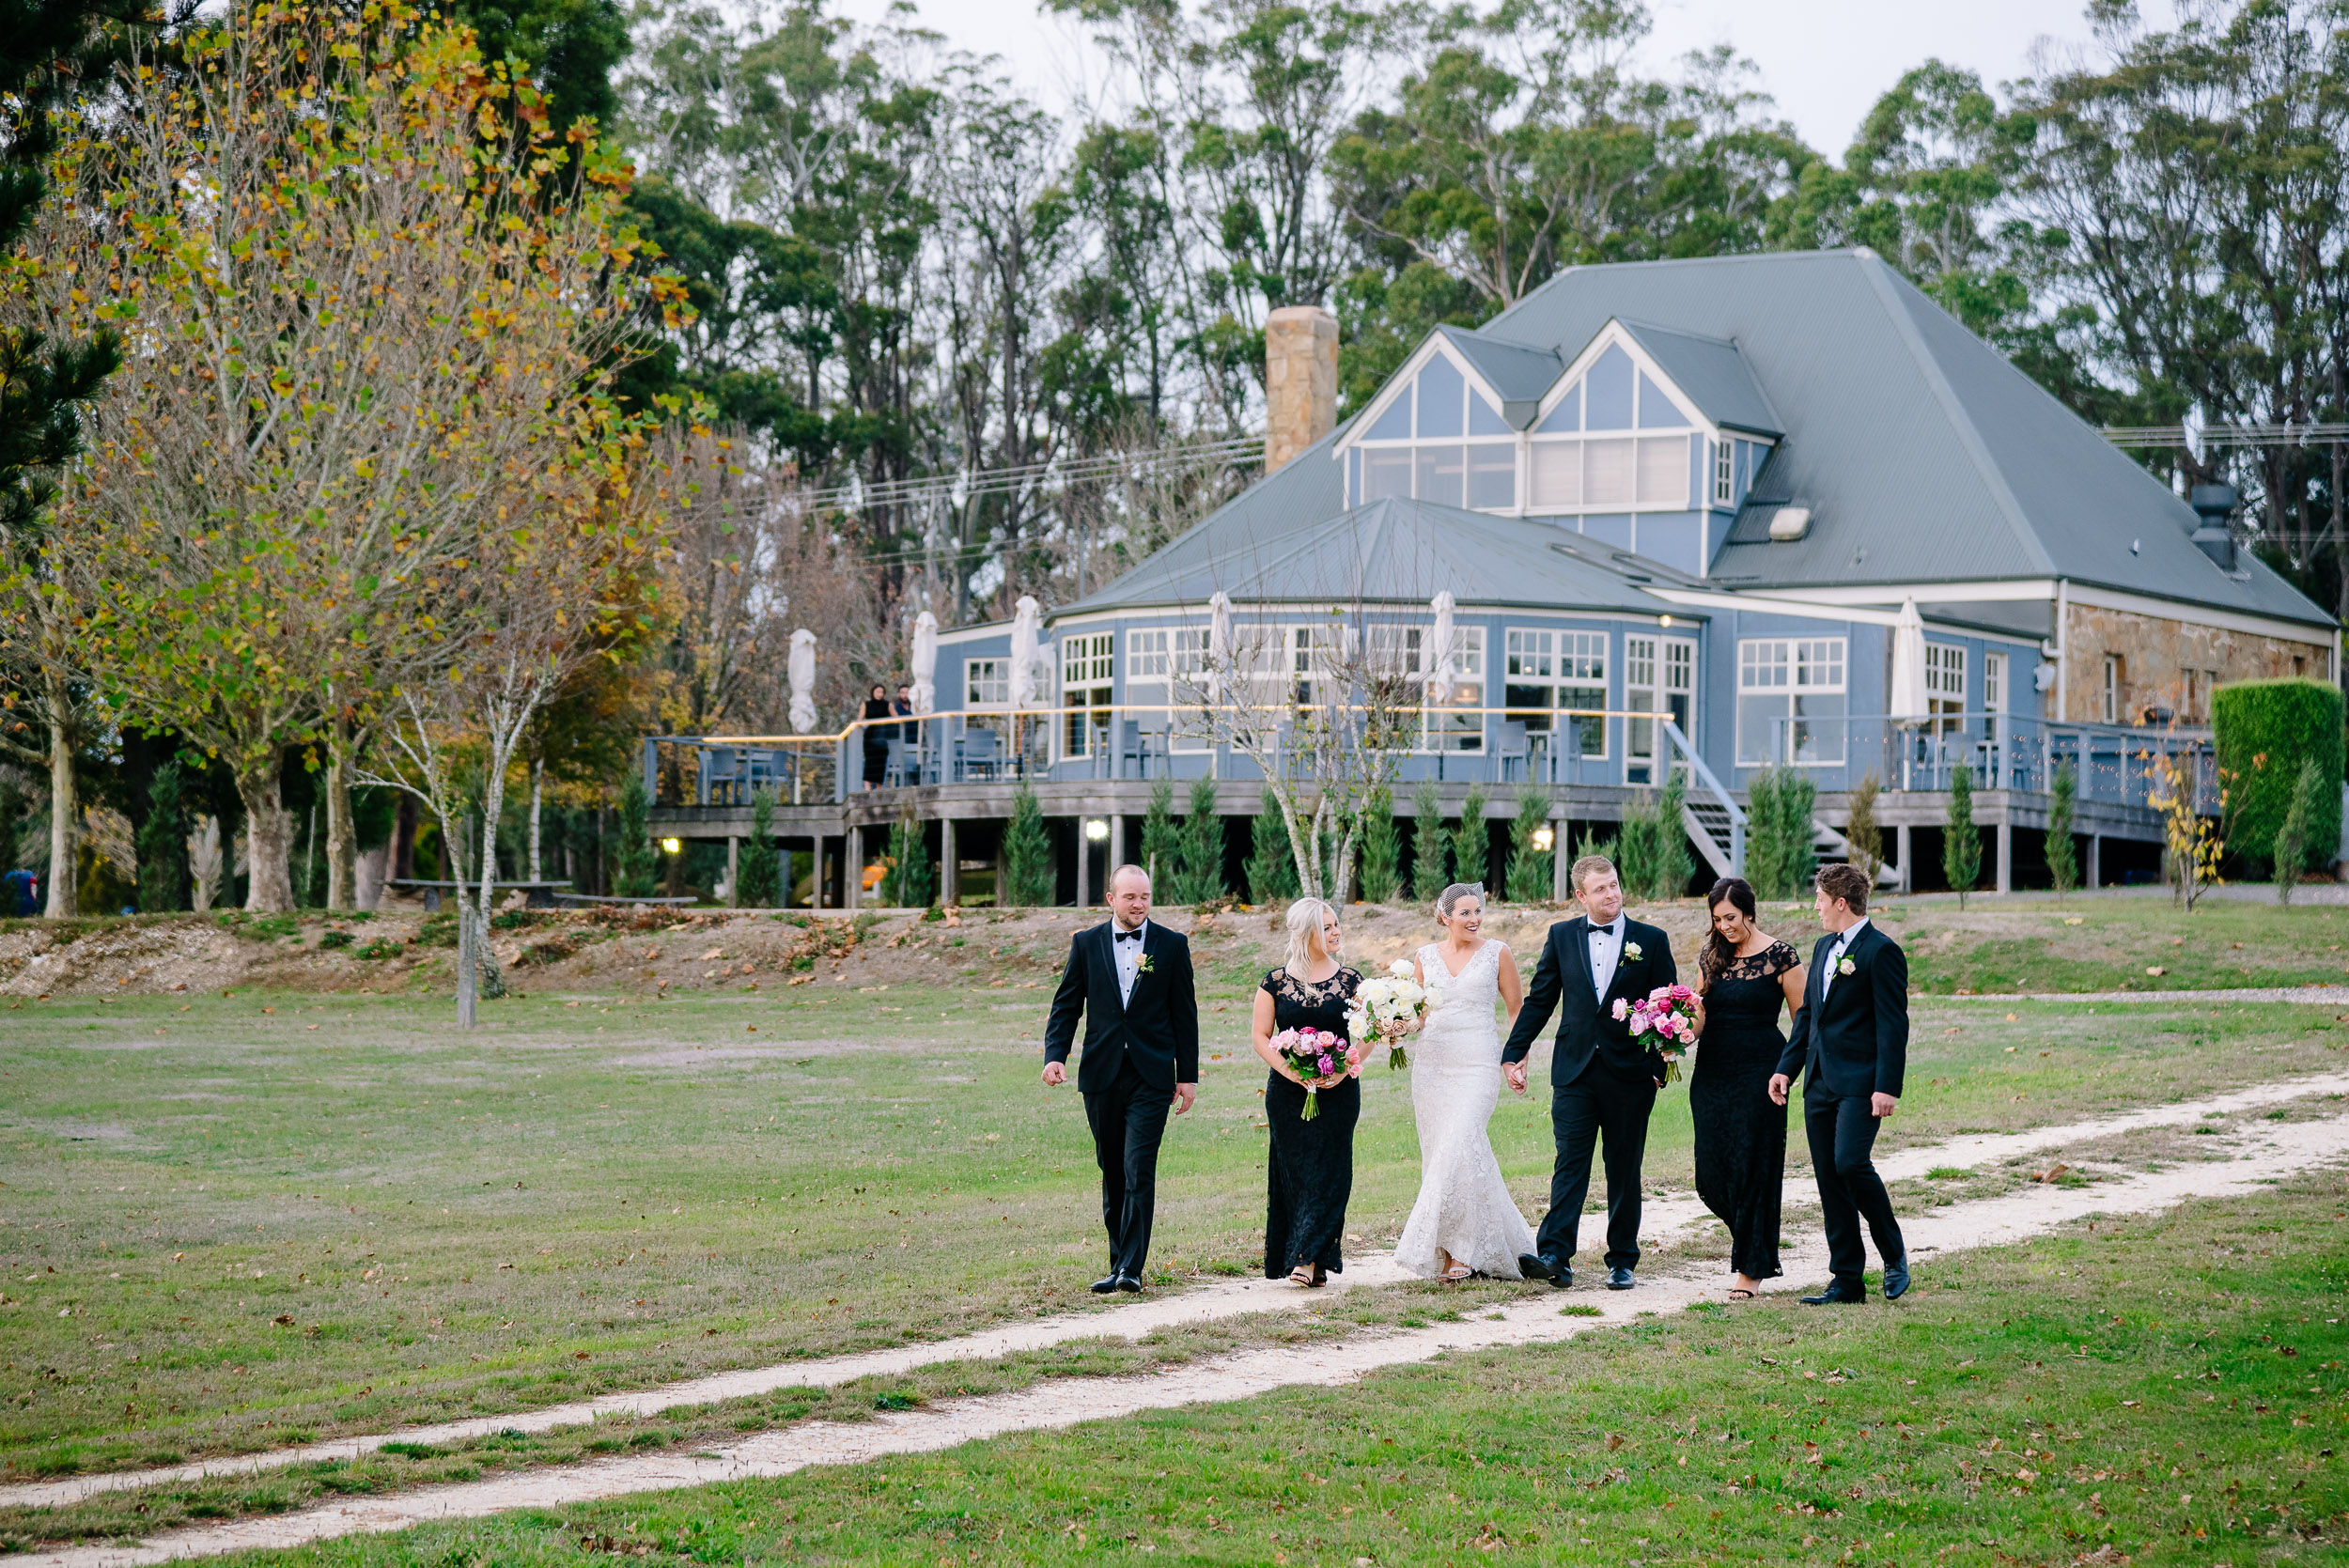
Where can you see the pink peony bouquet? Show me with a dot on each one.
(1665, 1022)
(1319, 1058)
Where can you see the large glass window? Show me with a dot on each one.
(1086, 660)
(987, 683)
(1555, 683)
(1576, 462)
(1659, 677)
(1440, 440)
(1166, 669)
(1790, 700)
(1945, 686)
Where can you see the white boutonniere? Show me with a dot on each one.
(1845, 966)
(1142, 964)
(1631, 951)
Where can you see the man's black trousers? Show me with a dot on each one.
(1128, 1119)
(1601, 1112)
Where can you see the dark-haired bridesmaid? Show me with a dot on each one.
(1745, 977)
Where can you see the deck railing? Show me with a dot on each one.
(2115, 764)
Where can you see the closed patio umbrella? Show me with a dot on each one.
(1438, 656)
(1024, 653)
(924, 662)
(1909, 664)
(803, 669)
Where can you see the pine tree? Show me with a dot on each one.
(1639, 847)
(163, 844)
(2292, 838)
(1028, 879)
(1865, 838)
(2064, 866)
(1161, 847)
(1674, 864)
(637, 868)
(1961, 841)
(1382, 849)
(1271, 869)
(1797, 801)
(1530, 869)
(1469, 840)
(908, 883)
(761, 870)
(1429, 845)
(1200, 846)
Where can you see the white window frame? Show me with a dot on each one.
(1472, 385)
(1800, 667)
(1724, 472)
(1088, 668)
(1672, 680)
(997, 673)
(1164, 669)
(1994, 687)
(2111, 695)
(1559, 661)
(1945, 686)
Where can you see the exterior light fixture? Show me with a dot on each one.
(1543, 839)
(672, 844)
(1663, 620)
(1097, 829)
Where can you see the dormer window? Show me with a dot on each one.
(1440, 440)
(1593, 452)
(1725, 472)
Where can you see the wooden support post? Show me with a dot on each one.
(949, 865)
(1561, 862)
(816, 871)
(2005, 864)
(2096, 859)
(1117, 853)
(1084, 865)
(853, 868)
(734, 871)
(1899, 848)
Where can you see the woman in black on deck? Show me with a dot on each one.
(1310, 1169)
(1744, 977)
(877, 737)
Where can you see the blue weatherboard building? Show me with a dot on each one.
(1681, 510)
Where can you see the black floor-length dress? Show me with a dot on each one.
(1740, 1136)
(1310, 1172)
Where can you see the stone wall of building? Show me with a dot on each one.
(1301, 381)
(2168, 663)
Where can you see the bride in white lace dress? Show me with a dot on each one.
(1465, 1223)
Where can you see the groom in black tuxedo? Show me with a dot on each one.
(1601, 1085)
(1850, 1043)
(1130, 979)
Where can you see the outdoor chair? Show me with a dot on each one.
(1515, 747)
(978, 755)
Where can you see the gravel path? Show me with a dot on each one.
(2315, 996)
(2273, 1152)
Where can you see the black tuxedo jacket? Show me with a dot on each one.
(1852, 1036)
(1158, 1029)
(1587, 1026)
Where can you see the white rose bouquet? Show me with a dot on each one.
(1390, 1008)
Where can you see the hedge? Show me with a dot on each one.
(2281, 721)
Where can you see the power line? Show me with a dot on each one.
(864, 494)
(2226, 435)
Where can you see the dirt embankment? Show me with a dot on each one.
(651, 951)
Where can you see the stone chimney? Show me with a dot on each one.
(1301, 381)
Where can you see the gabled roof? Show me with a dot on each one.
(1397, 552)
(1924, 456)
(1520, 373)
(1713, 374)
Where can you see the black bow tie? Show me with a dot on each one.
(1130, 936)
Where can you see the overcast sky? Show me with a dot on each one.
(1824, 61)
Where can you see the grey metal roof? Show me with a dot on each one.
(1395, 551)
(1714, 375)
(1520, 373)
(1924, 456)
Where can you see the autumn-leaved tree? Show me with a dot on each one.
(372, 301)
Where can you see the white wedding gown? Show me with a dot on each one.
(1464, 1207)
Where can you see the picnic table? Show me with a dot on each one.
(579, 899)
(537, 896)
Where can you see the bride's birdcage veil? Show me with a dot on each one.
(1449, 899)
(1304, 919)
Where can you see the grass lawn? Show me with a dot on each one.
(2108, 944)
(239, 1222)
(2164, 1390)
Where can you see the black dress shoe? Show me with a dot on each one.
(1103, 1286)
(1896, 1277)
(1836, 1295)
(1619, 1279)
(1534, 1266)
(1127, 1282)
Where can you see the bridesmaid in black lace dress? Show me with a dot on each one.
(1744, 977)
(1310, 1172)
